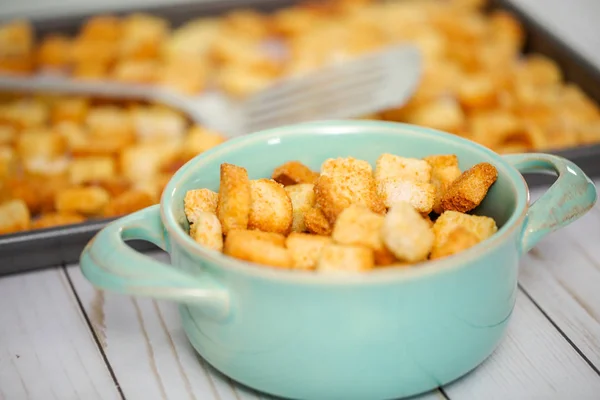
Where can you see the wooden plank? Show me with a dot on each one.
(149, 352)
(562, 275)
(534, 361)
(46, 348)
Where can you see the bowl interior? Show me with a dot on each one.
(313, 143)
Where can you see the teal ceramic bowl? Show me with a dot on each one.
(386, 334)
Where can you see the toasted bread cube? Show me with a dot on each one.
(8, 135)
(82, 200)
(56, 219)
(158, 122)
(40, 143)
(271, 207)
(199, 201)
(144, 161)
(206, 230)
(115, 186)
(357, 225)
(43, 166)
(406, 233)
(480, 226)
(142, 37)
(345, 181)
(303, 199)
(136, 71)
(316, 222)
(90, 70)
(54, 51)
(26, 113)
(343, 258)
(198, 140)
(420, 195)
(128, 202)
(444, 171)
(8, 162)
(233, 207)
(255, 249)
(459, 239)
(36, 191)
(109, 121)
(154, 185)
(305, 249)
(71, 109)
(102, 27)
(411, 169)
(276, 239)
(294, 172)
(186, 75)
(470, 188)
(14, 216)
(89, 169)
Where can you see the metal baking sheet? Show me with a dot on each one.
(26, 251)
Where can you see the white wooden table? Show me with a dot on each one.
(62, 339)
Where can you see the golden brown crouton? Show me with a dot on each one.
(315, 222)
(128, 202)
(305, 249)
(206, 230)
(444, 171)
(40, 143)
(233, 207)
(392, 166)
(70, 109)
(458, 239)
(198, 140)
(253, 249)
(357, 225)
(276, 239)
(406, 233)
(420, 195)
(14, 216)
(199, 200)
(480, 226)
(8, 134)
(88, 169)
(142, 161)
(271, 207)
(108, 121)
(294, 172)
(158, 123)
(56, 219)
(54, 51)
(37, 192)
(343, 258)
(469, 189)
(345, 181)
(83, 200)
(302, 196)
(142, 36)
(8, 162)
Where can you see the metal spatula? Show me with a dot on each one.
(349, 89)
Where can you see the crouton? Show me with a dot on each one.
(406, 233)
(444, 171)
(305, 249)
(88, 169)
(411, 169)
(158, 122)
(206, 230)
(8, 162)
(82, 200)
(37, 192)
(136, 71)
(42, 166)
(420, 195)
(70, 109)
(39, 143)
(458, 239)
(198, 140)
(115, 186)
(54, 51)
(198, 201)
(50, 220)
(302, 196)
(233, 206)
(357, 225)
(344, 258)
(142, 36)
(345, 181)
(109, 121)
(294, 172)
(253, 249)
(128, 202)
(315, 222)
(142, 161)
(8, 135)
(14, 216)
(276, 239)
(270, 208)
(480, 226)
(470, 188)
(26, 114)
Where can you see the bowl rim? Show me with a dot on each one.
(376, 276)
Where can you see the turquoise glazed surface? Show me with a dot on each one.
(386, 334)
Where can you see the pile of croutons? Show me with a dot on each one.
(346, 218)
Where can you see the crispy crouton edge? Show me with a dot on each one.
(340, 127)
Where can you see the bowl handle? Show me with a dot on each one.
(570, 197)
(109, 263)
